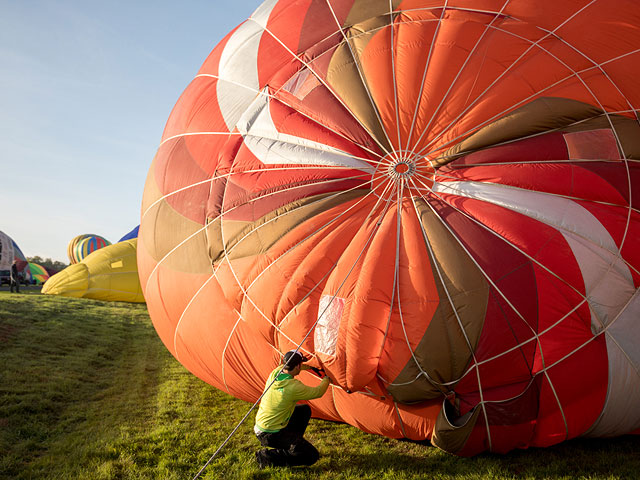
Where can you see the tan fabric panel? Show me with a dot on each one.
(244, 239)
(451, 432)
(345, 79)
(444, 352)
(540, 115)
(151, 191)
(190, 256)
(363, 10)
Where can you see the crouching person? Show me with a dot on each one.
(280, 423)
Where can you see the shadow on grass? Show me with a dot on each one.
(617, 458)
(28, 290)
(579, 458)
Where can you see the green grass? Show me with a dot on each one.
(88, 391)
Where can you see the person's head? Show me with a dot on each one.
(293, 361)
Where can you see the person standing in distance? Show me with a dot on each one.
(280, 423)
(15, 281)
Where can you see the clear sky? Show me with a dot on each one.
(86, 87)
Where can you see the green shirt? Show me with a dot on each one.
(276, 406)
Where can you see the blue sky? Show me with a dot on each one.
(86, 88)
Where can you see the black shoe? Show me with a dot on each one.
(262, 459)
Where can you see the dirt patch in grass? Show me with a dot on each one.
(6, 332)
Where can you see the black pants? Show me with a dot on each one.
(288, 447)
(16, 284)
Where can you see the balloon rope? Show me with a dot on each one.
(215, 454)
(229, 437)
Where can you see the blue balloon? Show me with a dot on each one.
(132, 234)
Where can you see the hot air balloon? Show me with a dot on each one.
(109, 273)
(132, 234)
(72, 245)
(38, 273)
(83, 245)
(437, 200)
(9, 251)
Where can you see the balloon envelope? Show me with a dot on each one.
(38, 273)
(132, 234)
(437, 199)
(110, 273)
(9, 251)
(83, 245)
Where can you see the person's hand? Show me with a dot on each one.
(317, 371)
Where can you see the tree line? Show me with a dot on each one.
(48, 263)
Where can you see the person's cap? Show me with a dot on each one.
(292, 359)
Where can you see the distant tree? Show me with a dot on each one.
(51, 265)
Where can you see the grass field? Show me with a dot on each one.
(88, 391)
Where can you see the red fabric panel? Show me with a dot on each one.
(196, 110)
(580, 383)
(548, 147)
(594, 144)
(187, 179)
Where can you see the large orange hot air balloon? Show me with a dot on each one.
(437, 199)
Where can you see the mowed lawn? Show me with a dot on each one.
(88, 391)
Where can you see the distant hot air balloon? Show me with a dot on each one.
(439, 199)
(72, 245)
(132, 234)
(38, 273)
(9, 251)
(83, 245)
(110, 273)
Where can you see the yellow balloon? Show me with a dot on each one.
(110, 273)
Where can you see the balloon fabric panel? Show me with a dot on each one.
(437, 201)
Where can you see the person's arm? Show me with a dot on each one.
(304, 392)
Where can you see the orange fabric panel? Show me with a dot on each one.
(418, 421)
(446, 86)
(394, 74)
(198, 335)
(418, 297)
(369, 408)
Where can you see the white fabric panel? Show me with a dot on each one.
(238, 84)
(272, 147)
(262, 13)
(612, 297)
(621, 413)
(329, 316)
(607, 280)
